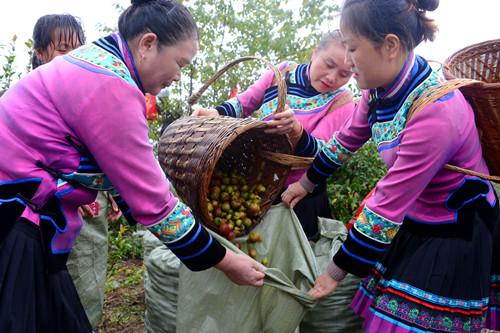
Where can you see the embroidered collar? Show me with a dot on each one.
(385, 103)
(303, 78)
(116, 44)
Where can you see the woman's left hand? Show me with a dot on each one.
(284, 123)
(323, 286)
(293, 194)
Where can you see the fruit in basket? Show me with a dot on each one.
(232, 203)
(253, 209)
(231, 235)
(224, 229)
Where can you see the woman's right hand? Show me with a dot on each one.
(86, 211)
(241, 269)
(200, 111)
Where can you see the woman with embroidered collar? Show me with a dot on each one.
(318, 102)
(428, 237)
(77, 125)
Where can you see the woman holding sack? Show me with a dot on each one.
(425, 240)
(318, 103)
(75, 126)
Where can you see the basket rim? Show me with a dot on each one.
(252, 124)
(473, 50)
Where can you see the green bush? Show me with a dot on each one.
(348, 186)
(123, 244)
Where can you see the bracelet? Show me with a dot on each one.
(335, 272)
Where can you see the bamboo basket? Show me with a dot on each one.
(480, 62)
(192, 148)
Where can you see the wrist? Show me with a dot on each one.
(296, 133)
(225, 262)
(306, 183)
(335, 272)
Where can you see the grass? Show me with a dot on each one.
(124, 304)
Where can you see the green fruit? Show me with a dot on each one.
(226, 206)
(217, 221)
(247, 222)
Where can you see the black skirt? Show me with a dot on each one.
(311, 207)
(37, 294)
(436, 278)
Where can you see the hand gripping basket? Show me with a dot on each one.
(192, 148)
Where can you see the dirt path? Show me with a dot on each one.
(124, 305)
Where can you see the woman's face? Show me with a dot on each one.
(328, 71)
(372, 65)
(160, 67)
(59, 45)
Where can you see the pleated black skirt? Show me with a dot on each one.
(436, 278)
(312, 206)
(37, 295)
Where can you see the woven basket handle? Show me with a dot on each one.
(433, 95)
(194, 98)
(295, 162)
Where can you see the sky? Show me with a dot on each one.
(461, 22)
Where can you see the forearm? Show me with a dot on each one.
(188, 239)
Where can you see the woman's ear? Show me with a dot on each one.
(392, 46)
(147, 42)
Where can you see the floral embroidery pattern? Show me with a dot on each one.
(174, 225)
(238, 108)
(101, 58)
(335, 151)
(375, 226)
(416, 308)
(387, 132)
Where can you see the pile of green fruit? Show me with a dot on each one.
(233, 205)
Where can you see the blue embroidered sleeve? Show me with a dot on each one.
(231, 108)
(187, 239)
(328, 156)
(367, 241)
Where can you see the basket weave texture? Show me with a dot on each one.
(480, 62)
(192, 148)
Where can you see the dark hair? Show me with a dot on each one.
(45, 26)
(330, 36)
(375, 19)
(168, 19)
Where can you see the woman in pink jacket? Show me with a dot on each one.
(73, 127)
(318, 102)
(428, 239)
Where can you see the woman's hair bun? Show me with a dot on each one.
(428, 5)
(141, 2)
